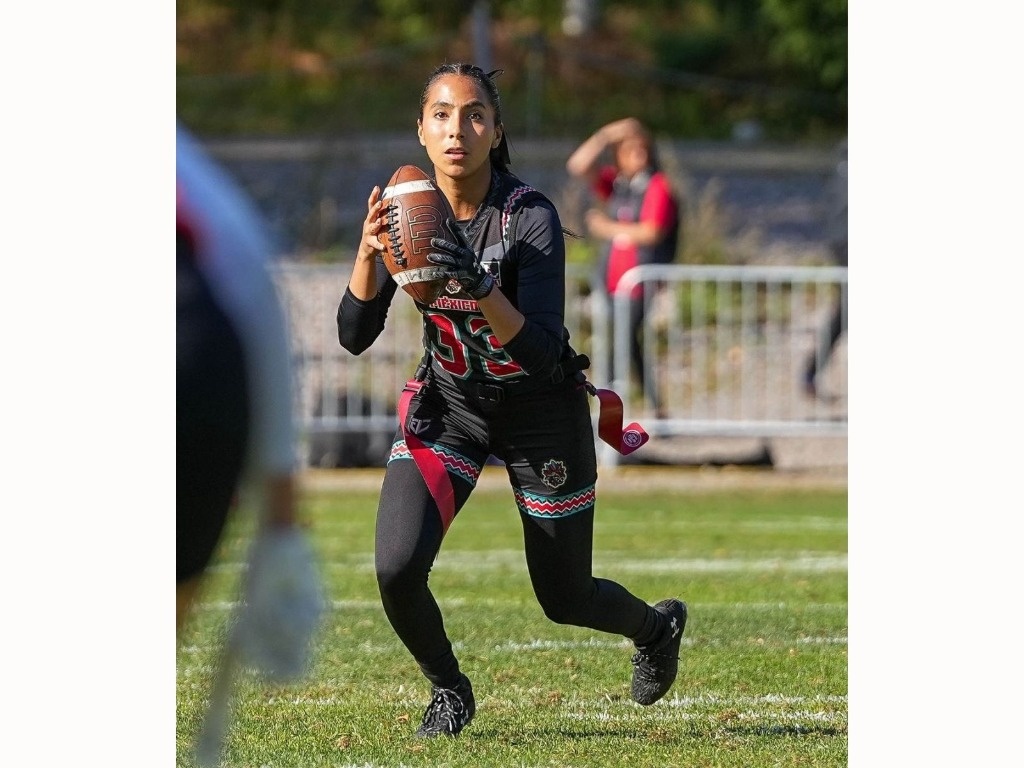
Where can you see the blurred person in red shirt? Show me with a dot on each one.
(639, 223)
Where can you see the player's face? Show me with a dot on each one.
(457, 127)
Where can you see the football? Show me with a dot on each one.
(415, 211)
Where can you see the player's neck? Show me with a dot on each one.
(466, 194)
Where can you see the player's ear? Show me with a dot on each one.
(499, 131)
(419, 132)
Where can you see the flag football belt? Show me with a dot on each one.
(431, 467)
(439, 483)
(494, 393)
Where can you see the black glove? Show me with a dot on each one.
(462, 263)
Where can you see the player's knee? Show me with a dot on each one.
(399, 578)
(565, 609)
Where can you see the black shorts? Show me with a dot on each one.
(213, 420)
(544, 436)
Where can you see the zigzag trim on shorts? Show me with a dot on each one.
(454, 463)
(555, 506)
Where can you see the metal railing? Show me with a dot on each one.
(726, 345)
(728, 348)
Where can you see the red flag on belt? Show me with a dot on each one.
(609, 423)
(435, 474)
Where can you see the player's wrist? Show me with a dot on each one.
(483, 287)
(365, 253)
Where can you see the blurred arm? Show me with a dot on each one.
(582, 162)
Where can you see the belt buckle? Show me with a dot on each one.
(490, 392)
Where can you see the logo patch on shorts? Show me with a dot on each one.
(554, 473)
(418, 426)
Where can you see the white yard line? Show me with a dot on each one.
(629, 562)
(519, 646)
(751, 707)
(497, 559)
(456, 602)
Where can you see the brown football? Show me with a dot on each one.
(415, 211)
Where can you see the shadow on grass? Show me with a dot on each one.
(534, 735)
(784, 730)
(690, 730)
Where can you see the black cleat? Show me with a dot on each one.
(655, 665)
(449, 710)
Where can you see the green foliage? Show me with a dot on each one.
(810, 36)
(691, 69)
(696, 51)
(763, 674)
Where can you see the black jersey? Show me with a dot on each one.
(518, 234)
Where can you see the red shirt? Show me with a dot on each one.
(658, 207)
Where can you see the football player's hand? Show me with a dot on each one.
(282, 604)
(462, 263)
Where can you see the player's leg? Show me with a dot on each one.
(408, 537)
(552, 465)
(550, 456)
(559, 558)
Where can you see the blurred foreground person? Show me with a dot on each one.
(235, 428)
(498, 378)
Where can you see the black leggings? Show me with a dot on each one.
(558, 555)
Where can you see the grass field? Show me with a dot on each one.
(763, 670)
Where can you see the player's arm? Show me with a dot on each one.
(363, 282)
(363, 309)
(540, 292)
(505, 320)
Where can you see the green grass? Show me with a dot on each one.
(763, 671)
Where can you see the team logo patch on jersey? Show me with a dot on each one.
(554, 473)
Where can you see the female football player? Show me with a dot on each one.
(498, 378)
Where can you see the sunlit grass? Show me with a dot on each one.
(763, 676)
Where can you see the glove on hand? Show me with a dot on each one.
(463, 264)
(283, 604)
